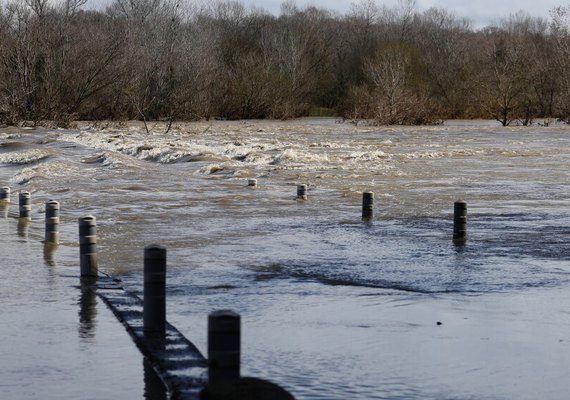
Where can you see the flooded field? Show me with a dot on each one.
(332, 308)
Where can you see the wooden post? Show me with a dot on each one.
(154, 300)
(88, 246)
(460, 221)
(223, 347)
(52, 222)
(302, 192)
(25, 205)
(5, 194)
(367, 206)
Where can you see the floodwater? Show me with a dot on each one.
(332, 307)
(58, 340)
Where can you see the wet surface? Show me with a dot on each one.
(59, 341)
(332, 307)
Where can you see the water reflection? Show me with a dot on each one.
(459, 244)
(49, 253)
(87, 313)
(23, 227)
(154, 389)
(4, 209)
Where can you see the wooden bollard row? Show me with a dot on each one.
(89, 244)
(224, 333)
(224, 330)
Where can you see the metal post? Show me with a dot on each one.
(52, 222)
(460, 221)
(88, 246)
(223, 346)
(367, 205)
(25, 205)
(302, 192)
(154, 301)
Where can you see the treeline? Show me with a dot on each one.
(174, 59)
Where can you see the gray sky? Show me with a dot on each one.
(482, 12)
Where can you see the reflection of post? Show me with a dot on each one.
(23, 225)
(154, 389)
(4, 209)
(49, 253)
(87, 313)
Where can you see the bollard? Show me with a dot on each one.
(367, 205)
(154, 291)
(302, 192)
(223, 346)
(5, 194)
(52, 222)
(88, 247)
(460, 221)
(25, 206)
(252, 182)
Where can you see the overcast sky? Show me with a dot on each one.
(482, 12)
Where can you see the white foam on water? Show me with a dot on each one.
(24, 157)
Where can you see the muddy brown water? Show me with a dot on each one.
(333, 308)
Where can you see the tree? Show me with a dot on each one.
(444, 40)
(560, 28)
(396, 75)
(509, 69)
(299, 47)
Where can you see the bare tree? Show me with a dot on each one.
(444, 43)
(395, 73)
(507, 92)
(39, 7)
(560, 28)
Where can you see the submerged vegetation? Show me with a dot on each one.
(175, 59)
